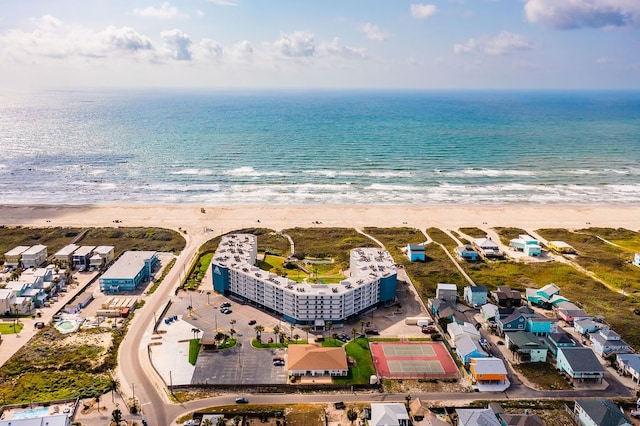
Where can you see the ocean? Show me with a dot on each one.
(319, 147)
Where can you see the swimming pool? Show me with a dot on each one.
(67, 326)
(31, 413)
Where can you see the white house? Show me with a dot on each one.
(606, 341)
(599, 412)
(389, 414)
(102, 255)
(34, 256)
(448, 292)
(629, 364)
(636, 259)
(65, 254)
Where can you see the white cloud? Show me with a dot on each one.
(297, 44)
(421, 11)
(177, 44)
(165, 11)
(603, 60)
(335, 48)
(224, 2)
(373, 32)
(504, 43)
(242, 50)
(208, 49)
(572, 14)
(52, 38)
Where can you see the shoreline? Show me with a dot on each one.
(231, 217)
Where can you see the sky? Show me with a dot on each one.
(436, 44)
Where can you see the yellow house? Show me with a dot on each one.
(561, 247)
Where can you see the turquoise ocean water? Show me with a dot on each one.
(319, 147)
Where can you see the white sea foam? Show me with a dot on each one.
(492, 172)
(194, 172)
(251, 172)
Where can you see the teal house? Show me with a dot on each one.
(129, 271)
(416, 252)
(475, 295)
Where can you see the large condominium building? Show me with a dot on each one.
(372, 283)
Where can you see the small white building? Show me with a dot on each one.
(102, 255)
(448, 292)
(34, 256)
(389, 414)
(636, 259)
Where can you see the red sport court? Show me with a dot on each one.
(413, 360)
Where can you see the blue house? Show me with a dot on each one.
(475, 295)
(467, 252)
(416, 252)
(129, 271)
(516, 321)
(468, 347)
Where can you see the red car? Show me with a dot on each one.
(252, 322)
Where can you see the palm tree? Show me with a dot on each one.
(207, 422)
(97, 398)
(116, 417)
(352, 415)
(194, 331)
(276, 331)
(362, 323)
(208, 293)
(259, 329)
(282, 335)
(221, 422)
(354, 331)
(328, 326)
(296, 337)
(306, 329)
(232, 331)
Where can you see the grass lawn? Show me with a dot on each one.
(194, 350)
(7, 327)
(542, 375)
(198, 271)
(425, 275)
(474, 232)
(610, 263)
(268, 240)
(331, 343)
(305, 414)
(508, 234)
(359, 350)
(228, 343)
(261, 345)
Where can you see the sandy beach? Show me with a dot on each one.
(224, 219)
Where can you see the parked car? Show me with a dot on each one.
(227, 311)
(252, 322)
(343, 338)
(278, 363)
(242, 400)
(429, 329)
(225, 305)
(373, 331)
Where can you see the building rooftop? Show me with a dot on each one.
(582, 359)
(67, 250)
(17, 250)
(128, 265)
(603, 412)
(84, 250)
(491, 365)
(312, 357)
(34, 250)
(103, 249)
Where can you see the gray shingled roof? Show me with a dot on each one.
(582, 359)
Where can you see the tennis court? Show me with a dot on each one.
(413, 360)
